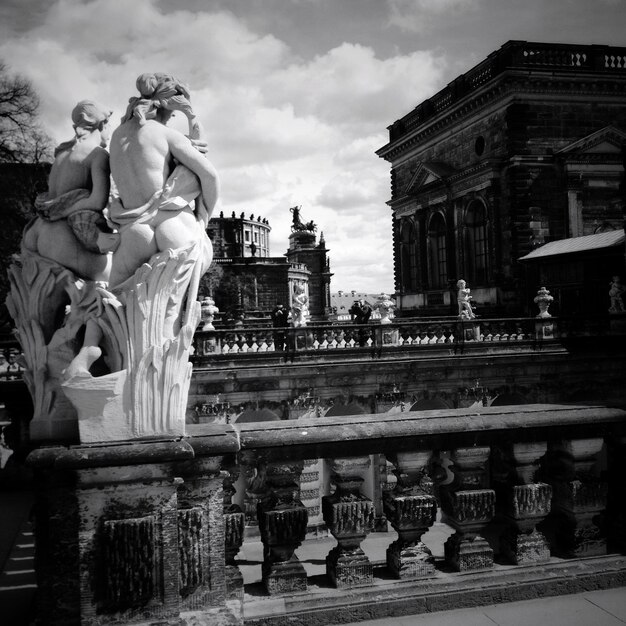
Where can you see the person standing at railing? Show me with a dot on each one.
(280, 320)
(361, 312)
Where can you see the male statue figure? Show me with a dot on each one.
(70, 228)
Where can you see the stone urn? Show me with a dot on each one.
(543, 300)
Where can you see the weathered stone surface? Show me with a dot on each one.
(465, 553)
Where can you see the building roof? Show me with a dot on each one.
(577, 244)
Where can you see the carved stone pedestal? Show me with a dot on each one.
(471, 512)
(282, 523)
(579, 499)
(523, 503)
(132, 533)
(522, 543)
(468, 507)
(411, 510)
(349, 516)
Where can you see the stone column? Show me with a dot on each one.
(349, 516)
(468, 507)
(523, 503)
(282, 522)
(411, 509)
(234, 525)
(579, 499)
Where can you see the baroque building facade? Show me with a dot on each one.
(241, 248)
(523, 149)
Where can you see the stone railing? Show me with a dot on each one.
(514, 55)
(150, 531)
(412, 335)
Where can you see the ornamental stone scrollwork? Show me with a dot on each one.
(106, 310)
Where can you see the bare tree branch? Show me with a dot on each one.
(21, 138)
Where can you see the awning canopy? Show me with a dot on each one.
(577, 244)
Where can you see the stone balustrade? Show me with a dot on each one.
(150, 531)
(450, 334)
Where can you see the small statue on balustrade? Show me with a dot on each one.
(463, 300)
(615, 293)
(385, 306)
(299, 307)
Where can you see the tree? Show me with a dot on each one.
(24, 149)
(21, 138)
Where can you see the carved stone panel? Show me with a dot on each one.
(129, 562)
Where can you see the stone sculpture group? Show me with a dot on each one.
(104, 291)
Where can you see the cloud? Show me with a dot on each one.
(417, 15)
(282, 130)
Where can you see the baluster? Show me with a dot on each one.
(234, 524)
(282, 522)
(349, 515)
(579, 499)
(523, 503)
(468, 507)
(411, 509)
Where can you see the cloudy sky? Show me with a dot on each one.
(295, 95)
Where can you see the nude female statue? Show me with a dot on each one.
(70, 228)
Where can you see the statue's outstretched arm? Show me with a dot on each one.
(182, 149)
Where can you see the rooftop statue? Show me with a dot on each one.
(129, 375)
(298, 225)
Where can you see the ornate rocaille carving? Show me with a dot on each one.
(349, 516)
(190, 548)
(129, 562)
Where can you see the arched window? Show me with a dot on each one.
(408, 244)
(437, 262)
(475, 230)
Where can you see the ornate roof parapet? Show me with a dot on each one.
(593, 60)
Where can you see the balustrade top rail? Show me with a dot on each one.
(351, 435)
(437, 429)
(514, 55)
